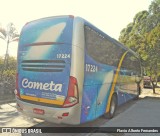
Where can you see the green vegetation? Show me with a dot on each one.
(8, 78)
(8, 34)
(143, 36)
(7, 63)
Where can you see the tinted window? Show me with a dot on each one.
(45, 38)
(101, 48)
(47, 30)
(131, 63)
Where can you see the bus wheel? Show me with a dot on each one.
(113, 106)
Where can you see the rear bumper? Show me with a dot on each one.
(51, 114)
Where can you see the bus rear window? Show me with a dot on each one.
(47, 31)
(45, 38)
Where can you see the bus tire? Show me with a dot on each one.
(113, 107)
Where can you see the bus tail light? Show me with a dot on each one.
(16, 92)
(72, 97)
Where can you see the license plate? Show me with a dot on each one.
(38, 111)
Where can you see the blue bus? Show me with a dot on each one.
(71, 72)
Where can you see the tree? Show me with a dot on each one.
(9, 34)
(153, 50)
(134, 34)
(9, 78)
(143, 36)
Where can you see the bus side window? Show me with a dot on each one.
(102, 49)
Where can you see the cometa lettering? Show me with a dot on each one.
(41, 86)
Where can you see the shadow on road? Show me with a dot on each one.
(151, 98)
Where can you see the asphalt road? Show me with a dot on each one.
(144, 112)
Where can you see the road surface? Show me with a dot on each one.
(144, 112)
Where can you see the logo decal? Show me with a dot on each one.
(41, 86)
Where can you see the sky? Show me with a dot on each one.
(111, 16)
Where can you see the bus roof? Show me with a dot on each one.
(95, 28)
(61, 16)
